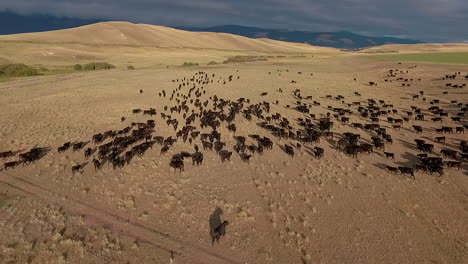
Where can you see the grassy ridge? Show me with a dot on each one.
(447, 57)
(240, 59)
(17, 70)
(12, 70)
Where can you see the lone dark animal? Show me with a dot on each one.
(225, 155)
(318, 152)
(97, 164)
(88, 152)
(76, 168)
(197, 158)
(164, 149)
(289, 150)
(245, 157)
(218, 232)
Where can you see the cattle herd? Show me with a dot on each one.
(196, 120)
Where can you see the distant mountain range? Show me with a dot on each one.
(342, 39)
(339, 39)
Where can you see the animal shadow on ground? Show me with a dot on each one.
(282, 148)
(381, 166)
(43, 152)
(19, 151)
(79, 168)
(332, 142)
(309, 150)
(407, 144)
(409, 160)
(215, 219)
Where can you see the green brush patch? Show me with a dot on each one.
(444, 58)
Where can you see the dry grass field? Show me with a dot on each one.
(281, 208)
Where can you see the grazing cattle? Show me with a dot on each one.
(232, 128)
(379, 145)
(422, 155)
(187, 103)
(218, 232)
(437, 169)
(449, 153)
(418, 129)
(197, 158)
(6, 154)
(318, 152)
(289, 150)
(177, 162)
(464, 156)
(218, 146)
(61, 149)
(245, 157)
(392, 169)
(447, 129)
(64, 147)
(225, 155)
(97, 164)
(389, 155)
(88, 152)
(328, 134)
(207, 145)
(419, 142)
(406, 170)
(453, 164)
(164, 149)
(31, 156)
(351, 150)
(77, 168)
(78, 146)
(11, 165)
(426, 148)
(366, 148)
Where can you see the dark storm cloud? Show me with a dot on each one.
(429, 20)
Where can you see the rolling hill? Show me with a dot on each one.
(125, 33)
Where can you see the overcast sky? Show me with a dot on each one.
(427, 20)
